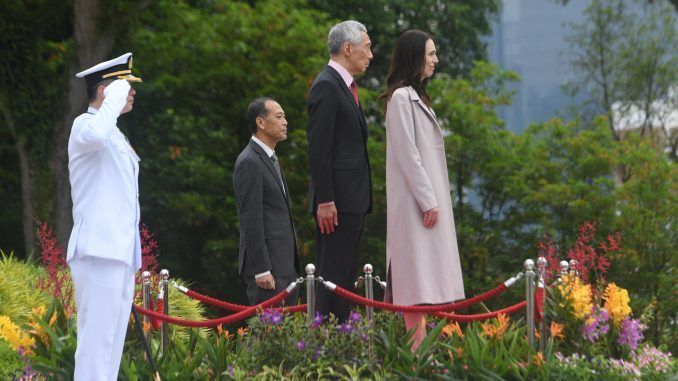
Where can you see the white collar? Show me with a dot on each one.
(92, 110)
(345, 75)
(266, 148)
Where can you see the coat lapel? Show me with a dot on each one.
(268, 164)
(415, 97)
(349, 95)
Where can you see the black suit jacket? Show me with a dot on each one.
(267, 233)
(337, 146)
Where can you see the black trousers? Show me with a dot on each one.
(256, 294)
(338, 255)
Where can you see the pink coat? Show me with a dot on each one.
(423, 263)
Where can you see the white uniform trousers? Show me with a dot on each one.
(104, 289)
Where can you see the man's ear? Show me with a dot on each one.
(260, 123)
(347, 48)
(100, 91)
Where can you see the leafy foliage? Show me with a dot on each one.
(457, 26)
(18, 288)
(216, 58)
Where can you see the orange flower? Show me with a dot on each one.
(459, 351)
(223, 332)
(453, 329)
(538, 359)
(53, 319)
(242, 331)
(557, 330)
(147, 327)
(496, 330)
(503, 322)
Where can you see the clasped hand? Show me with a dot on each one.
(430, 218)
(328, 218)
(266, 282)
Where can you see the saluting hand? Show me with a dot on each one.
(116, 95)
(328, 218)
(430, 218)
(117, 88)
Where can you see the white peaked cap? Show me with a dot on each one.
(117, 68)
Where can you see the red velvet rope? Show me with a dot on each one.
(297, 308)
(159, 309)
(232, 306)
(539, 303)
(216, 302)
(489, 315)
(236, 317)
(424, 309)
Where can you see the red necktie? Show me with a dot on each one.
(354, 90)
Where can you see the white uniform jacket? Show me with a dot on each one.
(104, 172)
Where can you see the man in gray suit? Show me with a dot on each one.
(268, 260)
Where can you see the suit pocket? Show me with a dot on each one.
(275, 234)
(346, 164)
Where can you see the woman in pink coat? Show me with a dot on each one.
(421, 244)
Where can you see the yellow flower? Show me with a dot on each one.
(578, 294)
(496, 330)
(16, 339)
(557, 330)
(453, 329)
(39, 311)
(36, 328)
(617, 303)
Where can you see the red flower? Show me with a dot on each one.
(589, 256)
(56, 281)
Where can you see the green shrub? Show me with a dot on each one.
(18, 288)
(11, 364)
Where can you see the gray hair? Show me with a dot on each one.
(345, 31)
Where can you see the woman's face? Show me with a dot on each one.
(430, 59)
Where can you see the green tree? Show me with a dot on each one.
(647, 210)
(457, 26)
(201, 66)
(44, 44)
(34, 37)
(625, 61)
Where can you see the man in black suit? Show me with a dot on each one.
(340, 192)
(268, 260)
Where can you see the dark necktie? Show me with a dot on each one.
(274, 159)
(354, 90)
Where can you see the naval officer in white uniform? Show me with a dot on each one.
(104, 249)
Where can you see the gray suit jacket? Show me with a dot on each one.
(267, 233)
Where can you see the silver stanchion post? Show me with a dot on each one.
(541, 283)
(310, 292)
(529, 297)
(564, 270)
(369, 290)
(164, 296)
(574, 266)
(146, 295)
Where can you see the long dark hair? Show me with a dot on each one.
(407, 63)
